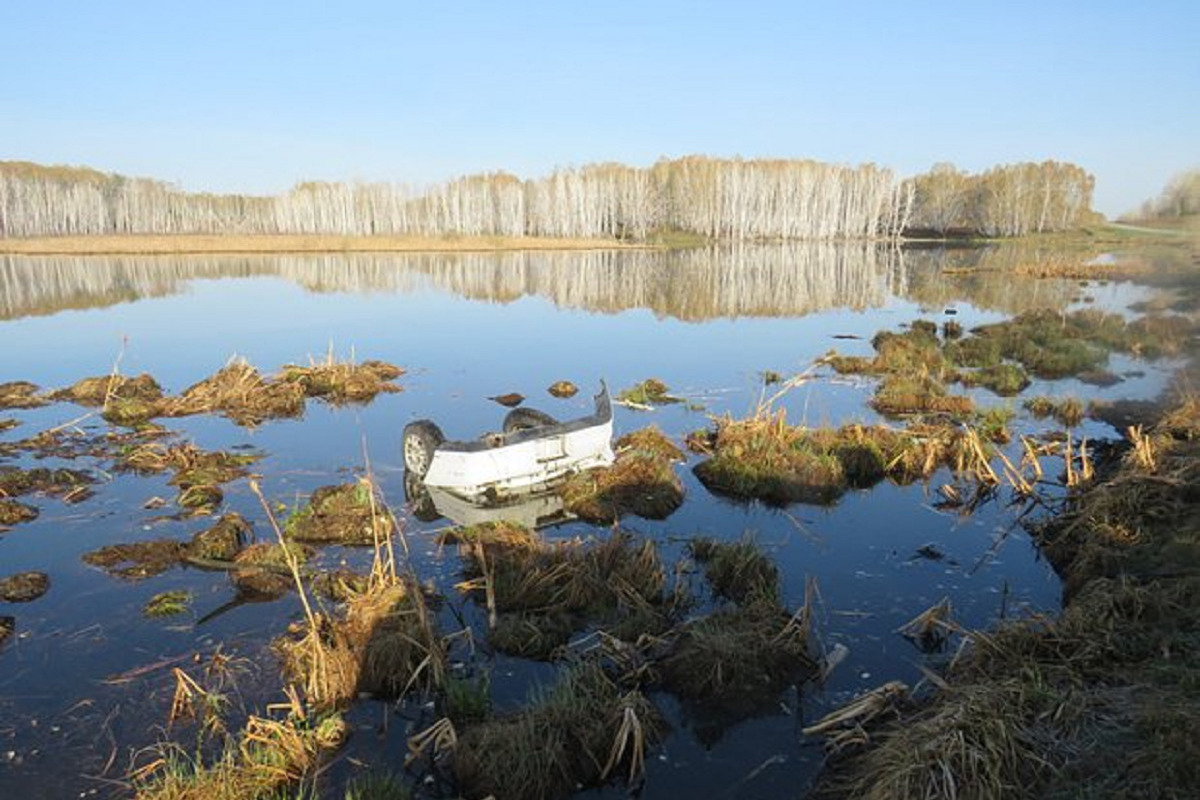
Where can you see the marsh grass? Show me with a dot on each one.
(1067, 411)
(763, 457)
(581, 732)
(266, 758)
(641, 481)
(648, 393)
(241, 393)
(68, 484)
(168, 604)
(20, 394)
(340, 382)
(345, 513)
(13, 512)
(24, 587)
(1095, 702)
(539, 593)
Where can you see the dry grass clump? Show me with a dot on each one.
(538, 593)
(1067, 411)
(340, 382)
(24, 587)
(137, 560)
(641, 481)
(737, 571)
(240, 392)
(8, 625)
(99, 391)
(122, 400)
(13, 512)
(20, 394)
(900, 395)
(263, 571)
(265, 760)
(735, 660)
(1101, 701)
(738, 659)
(765, 458)
(223, 541)
(385, 642)
(190, 464)
(68, 484)
(581, 732)
(347, 513)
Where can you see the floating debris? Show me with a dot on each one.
(68, 484)
(930, 629)
(24, 587)
(510, 400)
(8, 624)
(563, 389)
(845, 726)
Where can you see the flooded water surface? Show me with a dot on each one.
(86, 679)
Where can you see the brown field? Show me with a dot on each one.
(156, 244)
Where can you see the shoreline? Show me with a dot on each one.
(156, 244)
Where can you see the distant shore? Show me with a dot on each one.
(215, 243)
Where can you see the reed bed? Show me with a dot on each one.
(1096, 703)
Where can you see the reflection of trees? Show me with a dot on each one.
(720, 282)
(982, 276)
(766, 280)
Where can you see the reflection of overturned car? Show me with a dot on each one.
(532, 452)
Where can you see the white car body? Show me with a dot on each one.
(504, 465)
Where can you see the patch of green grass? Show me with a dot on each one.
(168, 604)
(650, 392)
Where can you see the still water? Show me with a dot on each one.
(708, 322)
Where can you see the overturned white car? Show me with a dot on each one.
(533, 451)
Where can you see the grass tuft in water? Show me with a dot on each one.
(168, 604)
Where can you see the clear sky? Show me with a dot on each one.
(255, 96)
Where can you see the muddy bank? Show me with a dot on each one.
(1100, 702)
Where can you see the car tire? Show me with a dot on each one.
(420, 439)
(523, 419)
(420, 502)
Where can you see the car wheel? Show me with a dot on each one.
(523, 419)
(420, 439)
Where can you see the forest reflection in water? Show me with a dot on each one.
(698, 284)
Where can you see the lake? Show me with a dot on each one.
(86, 682)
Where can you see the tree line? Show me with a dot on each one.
(736, 199)
(1008, 200)
(1180, 198)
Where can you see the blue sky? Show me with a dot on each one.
(255, 96)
